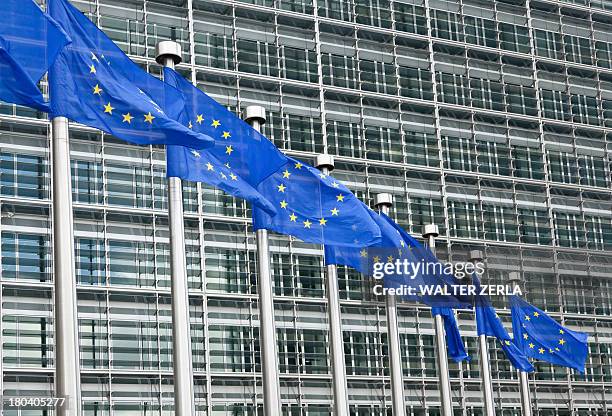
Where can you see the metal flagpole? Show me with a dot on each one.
(169, 54)
(523, 376)
(384, 202)
(325, 163)
(485, 364)
(430, 232)
(256, 115)
(67, 368)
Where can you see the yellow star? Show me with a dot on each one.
(97, 90)
(531, 345)
(561, 331)
(298, 165)
(229, 150)
(190, 125)
(507, 342)
(322, 175)
(376, 259)
(292, 217)
(363, 252)
(209, 166)
(335, 211)
(286, 174)
(307, 224)
(340, 198)
(283, 204)
(108, 108)
(402, 243)
(127, 118)
(281, 188)
(227, 165)
(550, 350)
(335, 184)
(149, 118)
(94, 57)
(215, 123)
(199, 118)
(234, 177)
(557, 349)
(226, 135)
(389, 259)
(536, 314)
(541, 350)
(92, 69)
(525, 336)
(323, 222)
(561, 341)
(527, 317)
(223, 175)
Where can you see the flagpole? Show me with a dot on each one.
(383, 202)
(256, 115)
(67, 357)
(485, 363)
(168, 53)
(325, 163)
(523, 375)
(430, 232)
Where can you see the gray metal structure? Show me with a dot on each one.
(168, 54)
(68, 369)
(430, 232)
(325, 163)
(256, 116)
(384, 202)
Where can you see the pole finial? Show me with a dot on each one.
(476, 255)
(168, 49)
(325, 161)
(430, 230)
(254, 113)
(383, 200)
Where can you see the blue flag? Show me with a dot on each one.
(230, 162)
(489, 324)
(539, 336)
(29, 43)
(397, 245)
(454, 344)
(94, 83)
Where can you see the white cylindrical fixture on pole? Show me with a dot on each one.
(430, 232)
(523, 376)
(325, 163)
(383, 202)
(256, 115)
(169, 54)
(485, 363)
(67, 365)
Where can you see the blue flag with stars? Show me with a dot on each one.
(94, 83)
(29, 42)
(539, 336)
(454, 343)
(314, 207)
(230, 162)
(489, 324)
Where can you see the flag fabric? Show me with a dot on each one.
(305, 203)
(396, 244)
(539, 336)
(94, 83)
(29, 43)
(230, 162)
(454, 343)
(489, 324)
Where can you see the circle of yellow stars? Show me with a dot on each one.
(541, 351)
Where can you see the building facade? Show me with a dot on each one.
(488, 118)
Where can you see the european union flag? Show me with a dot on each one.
(489, 324)
(94, 83)
(539, 336)
(241, 156)
(314, 207)
(29, 42)
(454, 344)
(397, 245)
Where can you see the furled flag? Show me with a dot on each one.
(235, 143)
(94, 83)
(29, 42)
(454, 343)
(425, 270)
(305, 203)
(539, 336)
(489, 324)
